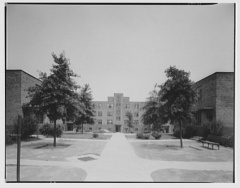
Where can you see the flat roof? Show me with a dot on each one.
(23, 72)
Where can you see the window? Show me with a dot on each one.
(109, 113)
(137, 106)
(99, 122)
(118, 112)
(126, 105)
(118, 104)
(99, 113)
(110, 105)
(136, 122)
(118, 118)
(109, 122)
(40, 118)
(136, 114)
(99, 105)
(90, 128)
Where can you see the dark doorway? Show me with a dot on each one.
(118, 128)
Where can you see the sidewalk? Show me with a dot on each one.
(118, 162)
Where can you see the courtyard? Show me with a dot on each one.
(119, 159)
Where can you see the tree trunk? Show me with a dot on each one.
(82, 128)
(181, 143)
(54, 133)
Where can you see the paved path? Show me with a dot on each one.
(118, 162)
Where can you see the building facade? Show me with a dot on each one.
(111, 115)
(17, 84)
(216, 100)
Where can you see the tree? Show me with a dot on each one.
(129, 119)
(56, 95)
(86, 116)
(178, 98)
(153, 111)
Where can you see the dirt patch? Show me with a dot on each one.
(183, 175)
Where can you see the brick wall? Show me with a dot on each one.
(13, 97)
(225, 100)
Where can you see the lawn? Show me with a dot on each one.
(102, 136)
(170, 151)
(182, 175)
(44, 150)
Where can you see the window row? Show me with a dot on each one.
(118, 113)
(127, 106)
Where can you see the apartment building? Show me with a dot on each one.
(216, 100)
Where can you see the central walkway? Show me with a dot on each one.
(118, 162)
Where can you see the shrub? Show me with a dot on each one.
(95, 135)
(216, 128)
(176, 133)
(28, 128)
(205, 130)
(156, 135)
(139, 135)
(48, 130)
(189, 131)
(146, 135)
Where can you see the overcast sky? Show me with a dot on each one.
(122, 49)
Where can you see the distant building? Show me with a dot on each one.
(17, 83)
(216, 100)
(111, 115)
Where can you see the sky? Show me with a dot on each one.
(122, 48)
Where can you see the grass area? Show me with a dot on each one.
(183, 175)
(163, 137)
(86, 136)
(46, 173)
(171, 151)
(44, 150)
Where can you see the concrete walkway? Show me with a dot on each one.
(119, 163)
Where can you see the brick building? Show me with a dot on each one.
(17, 83)
(216, 100)
(111, 114)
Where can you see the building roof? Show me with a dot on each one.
(213, 75)
(15, 70)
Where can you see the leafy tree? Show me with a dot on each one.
(86, 116)
(178, 98)
(56, 95)
(153, 111)
(129, 119)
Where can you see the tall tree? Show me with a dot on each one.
(129, 119)
(87, 115)
(153, 111)
(178, 98)
(56, 95)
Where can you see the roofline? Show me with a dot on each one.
(24, 72)
(212, 75)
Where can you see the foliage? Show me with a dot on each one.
(129, 119)
(28, 128)
(87, 114)
(178, 98)
(190, 131)
(153, 112)
(48, 130)
(56, 96)
(143, 135)
(157, 135)
(139, 135)
(227, 141)
(213, 128)
(95, 135)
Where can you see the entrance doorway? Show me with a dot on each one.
(118, 128)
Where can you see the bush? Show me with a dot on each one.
(139, 135)
(189, 131)
(213, 128)
(156, 135)
(95, 135)
(48, 130)
(227, 141)
(176, 133)
(146, 136)
(28, 128)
